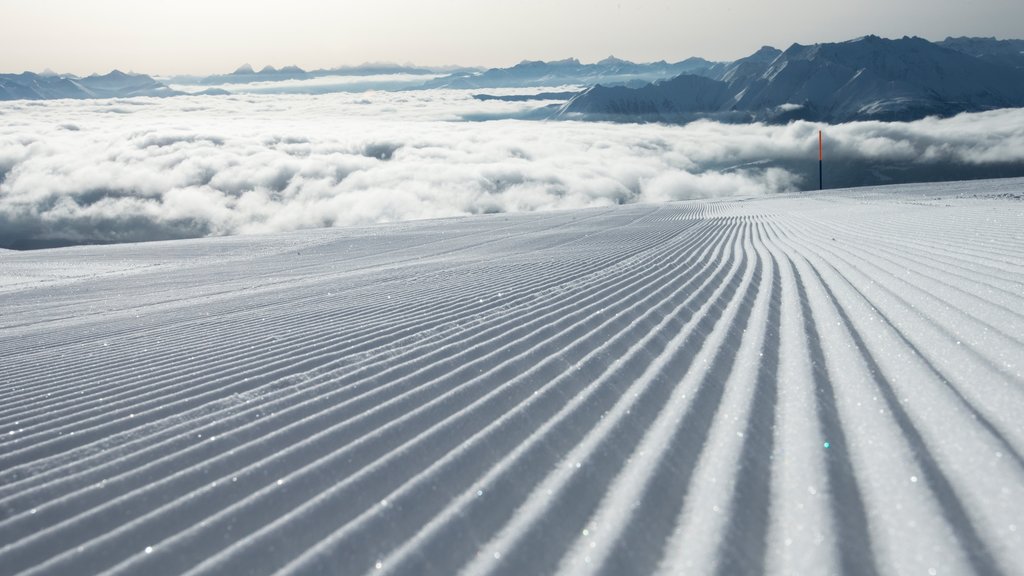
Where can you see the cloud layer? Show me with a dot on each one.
(317, 85)
(144, 169)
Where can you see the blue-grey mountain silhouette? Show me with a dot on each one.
(869, 78)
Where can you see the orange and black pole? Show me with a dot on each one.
(821, 182)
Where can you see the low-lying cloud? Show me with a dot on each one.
(317, 84)
(145, 169)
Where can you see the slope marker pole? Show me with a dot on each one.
(821, 183)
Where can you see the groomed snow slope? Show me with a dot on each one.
(802, 384)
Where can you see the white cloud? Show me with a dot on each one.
(143, 169)
(317, 85)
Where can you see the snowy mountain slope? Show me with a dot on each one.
(744, 70)
(806, 383)
(869, 78)
(885, 79)
(681, 99)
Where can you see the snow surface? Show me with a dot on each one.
(795, 384)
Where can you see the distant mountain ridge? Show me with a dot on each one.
(531, 73)
(50, 86)
(570, 71)
(1009, 52)
(868, 78)
(246, 74)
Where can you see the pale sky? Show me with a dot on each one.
(208, 36)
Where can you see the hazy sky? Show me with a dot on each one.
(205, 36)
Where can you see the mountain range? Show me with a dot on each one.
(246, 73)
(49, 86)
(568, 72)
(869, 78)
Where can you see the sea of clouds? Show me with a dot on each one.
(148, 169)
(317, 84)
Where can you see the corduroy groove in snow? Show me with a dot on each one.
(801, 384)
